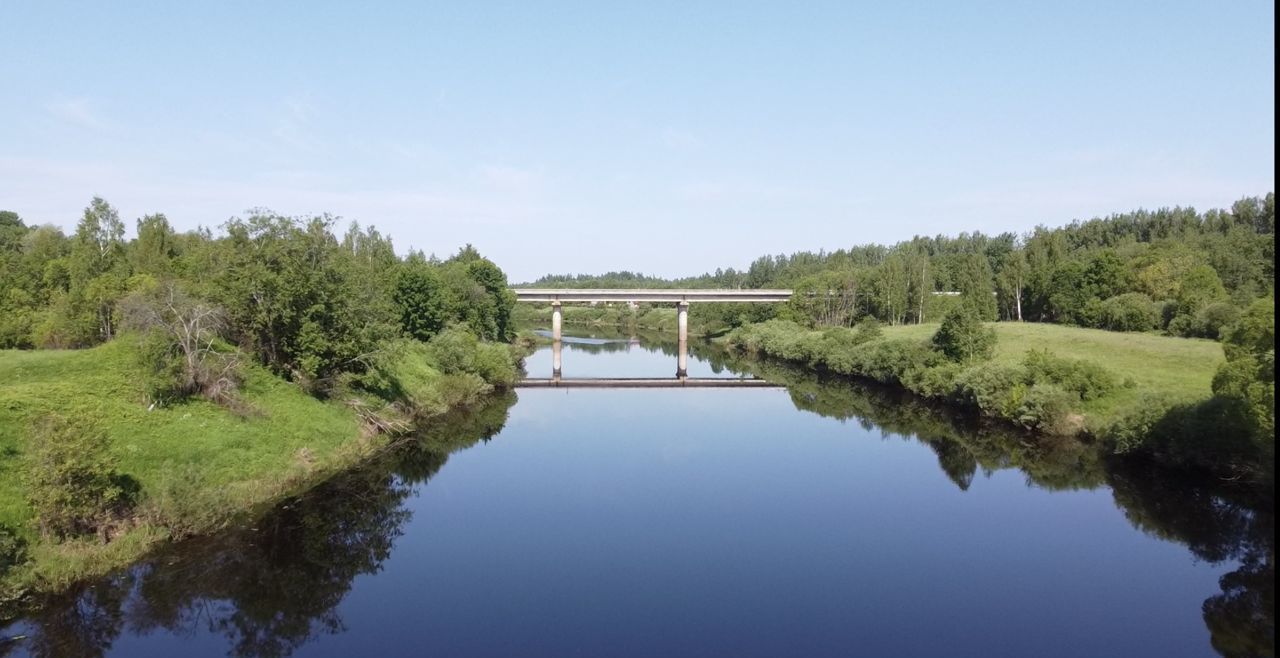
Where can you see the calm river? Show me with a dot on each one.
(823, 519)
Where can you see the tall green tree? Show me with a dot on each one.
(487, 300)
(290, 298)
(963, 337)
(976, 284)
(11, 230)
(98, 270)
(1198, 288)
(893, 286)
(1011, 281)
(422, 300)
(155, 248)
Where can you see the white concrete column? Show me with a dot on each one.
(682, 320)
(555, 359)
(555, 321)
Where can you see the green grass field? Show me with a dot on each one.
(1179, 367)
(200, 464)
(234, 462)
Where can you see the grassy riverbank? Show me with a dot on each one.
(1180, 368)
(1104, 375)
(199, 464)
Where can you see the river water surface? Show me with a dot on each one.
(821, 519)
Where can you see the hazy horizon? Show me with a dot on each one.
(664, 139)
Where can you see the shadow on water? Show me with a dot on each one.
(270, 589)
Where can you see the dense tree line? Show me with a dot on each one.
(1175, 270)
(304, 301)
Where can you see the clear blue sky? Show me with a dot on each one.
(669, 138)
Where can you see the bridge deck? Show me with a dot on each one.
(645, 382)
(648, 295)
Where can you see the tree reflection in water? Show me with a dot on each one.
(274, 587)
(1216, 521)
(1216, 525)
(271, 589)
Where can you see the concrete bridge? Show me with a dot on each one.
(681, 297)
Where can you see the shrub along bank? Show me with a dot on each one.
(1041, 391)
(1168, 397)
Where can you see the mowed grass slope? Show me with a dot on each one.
(204, 445)
(1181, 368)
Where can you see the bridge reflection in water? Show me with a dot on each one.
(681, 380)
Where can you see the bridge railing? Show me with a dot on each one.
(687, 296)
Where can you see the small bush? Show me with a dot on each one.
(801, 347)
(1214, 319)
(456, 351)
(427, 379)
(13, 549)
(1208, 322)
(888, 361)
(163, 368)
(1132, 311)
(867, 330)
(181, 346)
(996, 390)
(400, 371)
(1136, 426)
(843, 354)
(1183, 326)
(1047, 408)
(766, 337)
(493, 363)
(963, 337)
(71, 480)
(935, 382)
(1092, 314)
(460, 390)
(453, 350)
(183, 502)
(1086, 379)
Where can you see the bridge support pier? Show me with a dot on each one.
(682, 321)
(556, 321)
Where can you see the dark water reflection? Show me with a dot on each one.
(707, 523)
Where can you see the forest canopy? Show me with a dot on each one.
(303, 300)
(1175, 269)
